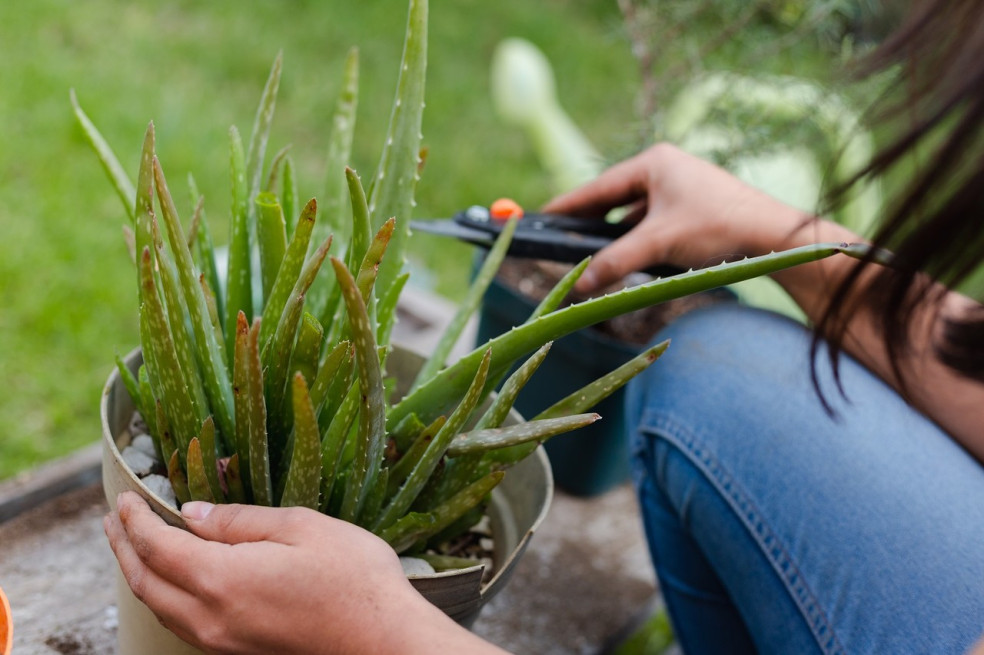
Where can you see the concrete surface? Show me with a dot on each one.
(585, 578)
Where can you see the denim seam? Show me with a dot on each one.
(770, 545)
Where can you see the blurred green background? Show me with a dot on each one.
(67, 292)
(66, 284)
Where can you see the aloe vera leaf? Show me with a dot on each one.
(443, 515)
(239, 291)
(334, 311)
(337, 207)
(212, 307)
(174, 389)
(276, 353)
(143, 208)
(233, 477)
(241, 398)
(131, 384)
(478, 441)
(307, 350)
(407, 530)
(130, 241)
(290, 270)
(326, 372)
(149, 408)
(191, 236)
(387, 306)
(288, 195)
(560, 290)
(434, 397)
(397, 174)
(272, 237)
(204, 248)
(400, 471)
(117, 175)
(361, 221)
(447, 562)
(179, 481)
(366, 277)
(339, 153)
(170, 283)
(304, 472)
(374, 499)
(261, 126)
(208, 355)
(206, 441)
(339, 388)
(333, 442)
(183, 346)
(464, 508)
(275, 165)
(460, 470)
(165, 434)
(439, 357)
(198, 484)
(581, 400)
(506, 397)
(259, 457)
(404, 434)
(421, 473)
(590, 395)
(372, 416)
(304, 359)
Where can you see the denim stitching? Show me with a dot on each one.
(688, 444)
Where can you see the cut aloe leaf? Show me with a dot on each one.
(434, 397)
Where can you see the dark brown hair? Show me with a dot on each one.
(935, 225)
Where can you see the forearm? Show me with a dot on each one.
(951, 400)
(424, 629)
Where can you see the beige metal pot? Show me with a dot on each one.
(518, 506)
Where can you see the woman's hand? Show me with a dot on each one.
(691, 214)
(251, 579)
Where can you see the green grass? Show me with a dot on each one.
(66, 284)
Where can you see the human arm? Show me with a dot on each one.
(246, 579)
(693, 214)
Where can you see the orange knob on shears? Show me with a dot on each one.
(505, 208)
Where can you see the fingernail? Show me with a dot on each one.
(196, 510)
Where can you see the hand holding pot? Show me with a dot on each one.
(690, 214)
(249, 579)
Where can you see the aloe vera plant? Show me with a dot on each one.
(271, 387)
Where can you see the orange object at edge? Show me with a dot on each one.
(6, 626)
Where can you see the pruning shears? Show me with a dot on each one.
(538, 236)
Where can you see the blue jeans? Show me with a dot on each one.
(775, 528)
